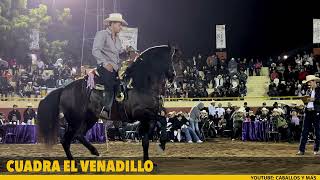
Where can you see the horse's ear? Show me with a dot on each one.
(169, 45)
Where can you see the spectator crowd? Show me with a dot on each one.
(288, 73)
(217, 121)
(35, 79)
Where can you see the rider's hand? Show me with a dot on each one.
(109, 67)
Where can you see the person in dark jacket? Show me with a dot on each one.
(181, 124)
(14, 115)
(312, 117)
(29, 114)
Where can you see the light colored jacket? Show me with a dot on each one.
(107, 51)
(195, 112)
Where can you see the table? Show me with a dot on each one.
(255, 131)
(20, 134)
(28, 134)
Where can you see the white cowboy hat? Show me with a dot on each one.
(115, 17)
(311, 78)
(242, 109)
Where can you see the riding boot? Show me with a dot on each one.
(108, 101)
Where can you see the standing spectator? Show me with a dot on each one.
(29, 114)
(212, 110)
(14, 115)
(237, 118)
(251, 67)
(195, 117)
(220, 111)
(258, 67)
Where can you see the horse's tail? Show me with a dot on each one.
(48, 114)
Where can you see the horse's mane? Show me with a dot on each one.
(148, 65)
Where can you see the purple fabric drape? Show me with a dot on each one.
(27, 134)
(20, 134)
(254, 131)
(96, 134)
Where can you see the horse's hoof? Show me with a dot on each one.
(96, 153)
(160, 149)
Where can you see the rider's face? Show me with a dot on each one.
(116, 27)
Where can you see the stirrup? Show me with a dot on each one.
(129, 85)
(121, 98)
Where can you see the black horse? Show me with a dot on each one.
(80, 106)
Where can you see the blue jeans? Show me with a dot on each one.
(190, 134)
(310, 118)
(195, 126)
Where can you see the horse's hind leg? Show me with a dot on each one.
(88, 145)
(66, 142)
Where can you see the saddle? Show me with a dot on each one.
(93, 82)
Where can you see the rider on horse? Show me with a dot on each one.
(109, 53)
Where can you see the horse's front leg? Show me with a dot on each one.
(146, 131)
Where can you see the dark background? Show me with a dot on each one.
(255, 28)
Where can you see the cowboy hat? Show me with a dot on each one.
(180, 113)
(311, 78)
(242, 109)
(115, 17)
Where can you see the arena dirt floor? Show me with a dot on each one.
(219, 156)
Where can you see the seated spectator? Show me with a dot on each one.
(245, 106)
(243, 77)
(280, 70)
(294, 125)
(28, 89)
(218, 81)
(29, 114)
(265, 116)
(274, 75)
(14, 115)
(280, 124)
(233, 66)
(2, 120)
